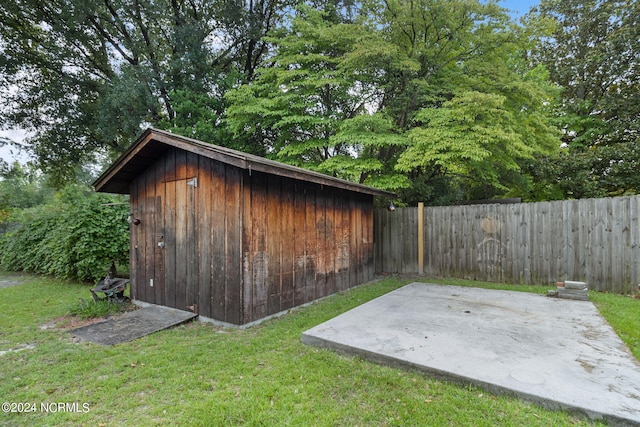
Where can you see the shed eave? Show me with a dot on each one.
(152, 143)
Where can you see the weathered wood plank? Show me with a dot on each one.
(356, 259)
(233, 245)
(287, 245)
(320, 238)
(137, 244)
(148, 231)
(597, 237)
(368, 240)
(257, 231)
(350, 240)
(158, 247)
(299, 237)
(191, 245)
(329, 242)
(218, 242)
(509, 229)
(617, 260)
(342, 231)
(634, 243)
(204, 226)
(593, 240)
(169, 231)
(381, 224)
(247, 295)
(311, 245)
(182, 235)
(394, 233)
(410, 240)
(274, 227)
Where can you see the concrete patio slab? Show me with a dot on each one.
(132, 325)
(557, 353)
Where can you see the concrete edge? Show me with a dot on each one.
(392, 362)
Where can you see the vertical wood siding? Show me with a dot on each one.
(302, 242)
(591, 240)
(239, 246)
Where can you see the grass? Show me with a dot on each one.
(90, 309)
(201, 375)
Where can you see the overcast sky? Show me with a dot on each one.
(10, 153)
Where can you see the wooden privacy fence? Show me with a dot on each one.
(592, 240)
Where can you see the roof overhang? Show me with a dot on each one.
(153, 143)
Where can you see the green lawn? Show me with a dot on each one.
(197, 374)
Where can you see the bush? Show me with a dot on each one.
(75, 236)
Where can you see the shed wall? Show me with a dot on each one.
(185, 252)
(301, 241)
(237, 246)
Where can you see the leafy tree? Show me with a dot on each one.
(21, 186)
(404, 92)
(472, 107)
(602, 171)
(360, 90)
(593, 55)
(482, 138)
(309, 106)
(83, 76)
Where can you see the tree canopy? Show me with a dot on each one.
(406, 90)
(593, 54)
(83, 76)
(437, 100)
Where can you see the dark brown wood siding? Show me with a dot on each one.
(301, 241)
(237, 246)
(186, 250)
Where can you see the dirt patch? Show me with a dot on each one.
(13, 279)
(17, 349)
(586, 365)
(71, 322)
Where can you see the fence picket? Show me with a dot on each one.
(592, 240)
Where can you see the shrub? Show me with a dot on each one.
(75, 236)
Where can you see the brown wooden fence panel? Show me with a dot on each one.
(592, 240)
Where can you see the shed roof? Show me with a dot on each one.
(153, 143)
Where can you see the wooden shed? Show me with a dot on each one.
(236, 237)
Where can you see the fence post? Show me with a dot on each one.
(420, 238)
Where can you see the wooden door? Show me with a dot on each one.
(146, 256)
(180, 245)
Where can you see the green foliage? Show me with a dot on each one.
(483, 112)
(589, 172)
(21, 186)
(309, 106)
(76, 236)
(476, 138)
(84, 76)
(592, 55)
(436, 100)
(404, 94)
